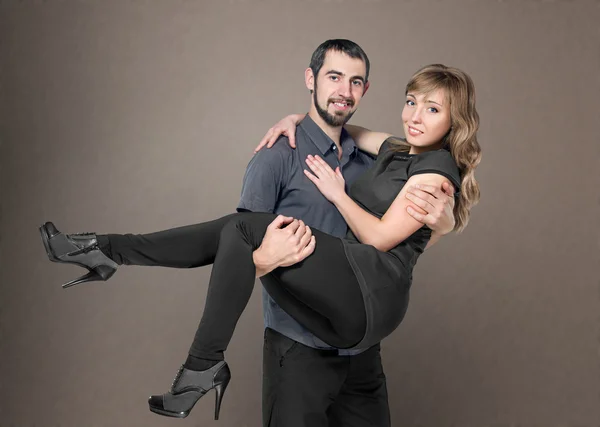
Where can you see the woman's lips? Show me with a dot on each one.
(414, 132)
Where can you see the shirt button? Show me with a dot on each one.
(334, 148)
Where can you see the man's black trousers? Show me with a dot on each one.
(307, 387)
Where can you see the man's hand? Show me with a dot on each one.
(438, 206)
(286, 242)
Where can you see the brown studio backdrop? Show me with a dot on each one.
(142, 115)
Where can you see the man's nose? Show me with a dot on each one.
(345, 89)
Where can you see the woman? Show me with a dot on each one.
(372, 266)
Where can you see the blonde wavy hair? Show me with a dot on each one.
(461, 139)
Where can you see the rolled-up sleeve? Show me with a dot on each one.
(263, 181)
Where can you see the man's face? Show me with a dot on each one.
(338, 88)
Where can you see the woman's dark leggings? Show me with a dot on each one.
(321, 292)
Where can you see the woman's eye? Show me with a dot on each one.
(433, 109)
(410, 102)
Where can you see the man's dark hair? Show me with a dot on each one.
(340, 45)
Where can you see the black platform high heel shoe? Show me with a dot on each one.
(189, 386)
(81, 249)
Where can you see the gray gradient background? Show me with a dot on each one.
(136, 116)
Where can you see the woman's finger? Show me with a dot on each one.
(312, 177)
(317, 166)
(314, 167)
(324, 165)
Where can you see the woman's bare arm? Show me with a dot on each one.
(396, 224)
(385, 233)
(367, 140)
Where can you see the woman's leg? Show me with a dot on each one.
(321, 292)
(182, 247)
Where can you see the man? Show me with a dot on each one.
(307, 383)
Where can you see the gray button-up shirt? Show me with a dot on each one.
(275, 182)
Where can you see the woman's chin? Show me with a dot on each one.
(411, 140)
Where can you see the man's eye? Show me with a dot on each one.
(410, 102)
(357, 83)
(334, 78)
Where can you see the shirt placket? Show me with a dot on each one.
(344, 161)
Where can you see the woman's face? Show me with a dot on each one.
(426, 120)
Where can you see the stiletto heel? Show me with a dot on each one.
(102, 272)
(219, 391)
(79, 249)
(189, 386)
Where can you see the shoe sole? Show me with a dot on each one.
(169, 414)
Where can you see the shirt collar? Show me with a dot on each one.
(323, 142)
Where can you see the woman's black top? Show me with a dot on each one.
(385, 277)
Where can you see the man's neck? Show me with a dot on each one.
(333, 132)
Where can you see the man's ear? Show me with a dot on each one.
(309, 79)
(367, 84)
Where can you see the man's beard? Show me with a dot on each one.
(330, 119)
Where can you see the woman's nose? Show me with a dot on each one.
(416, 117)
